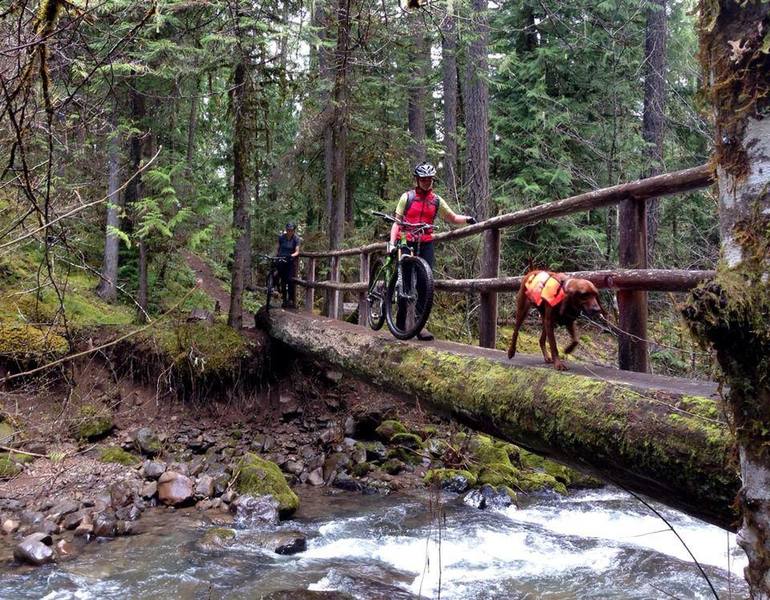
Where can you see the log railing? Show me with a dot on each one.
(623, 280)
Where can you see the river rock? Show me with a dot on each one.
(33, 552)
(289, 407)
(128, 513)
(47, 526)
(307, 595)
(64, 549)
(294, 467)
(204, 487)
(10, 526)
(121, 494)
(63, 509)
(149, 489)
(251, 510)
(147, 442)
(316, 477)
(334, 463)
(72, 520)
(259, 477)
(215, 539)
(488, 497)
(175, 489)
(375, 451)
(152, 469)
(280, 542)
(104, 525)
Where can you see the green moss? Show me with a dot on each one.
(8, 467)
(444, 476)
(92, 422)
(408, 440)
(361, 469)
(534, 481)
(207, 349)
(389, 428)
(114, 454)
(259, 477)
(27, 342)
(393, 466)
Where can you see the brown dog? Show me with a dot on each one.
(560, 300)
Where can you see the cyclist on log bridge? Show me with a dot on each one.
(422, 205)
(288, 246)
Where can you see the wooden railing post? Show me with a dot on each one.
(333, 297)
(310, 290)
(363, 277)
(490, 267)
(632, 305)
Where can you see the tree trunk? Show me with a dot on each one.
(653, 119)
(327, 73)
(658, 437)
(243, 142)
(419, 64)
(135, 190)
(449, 72)
(732, 313)
(107, 288)
(477, 162)
(192, 127)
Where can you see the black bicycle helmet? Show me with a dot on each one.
(290, 225)
(425, 170)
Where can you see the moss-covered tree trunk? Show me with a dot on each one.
(667, 445)
(732, 313)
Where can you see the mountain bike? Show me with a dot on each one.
(401, 285)
(273, 276)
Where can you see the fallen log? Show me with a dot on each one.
(652, 435)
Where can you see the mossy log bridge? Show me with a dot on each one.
(631, 281)
(659, 436)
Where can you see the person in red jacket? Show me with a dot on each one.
(423, 205)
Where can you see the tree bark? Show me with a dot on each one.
(417, 96)
(653, 118)
(107, 288)
(657, 437)
(732, 313)
(243, 141)
(477, 161)
(192, 128)
(449, 73)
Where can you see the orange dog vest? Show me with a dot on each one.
(544, 286)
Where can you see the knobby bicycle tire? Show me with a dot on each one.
(423, 280)
(378, 289)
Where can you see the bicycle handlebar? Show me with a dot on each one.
(392, 219)
(273, 258)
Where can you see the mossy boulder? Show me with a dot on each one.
(259, 477)
(92, 422)
(491, 462)
(389, 428)
(8, 467)
(535, 481)
(362, 469)
(114, 454)
(393, 466)
(453, 480)
(571, 478)
(407, 440)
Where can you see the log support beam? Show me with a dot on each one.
(660, 439)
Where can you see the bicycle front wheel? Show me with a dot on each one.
(376, 295)
(408, 302)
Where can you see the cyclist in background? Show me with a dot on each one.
(422, 205)
(288, 246)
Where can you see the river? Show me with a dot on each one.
(593, 544)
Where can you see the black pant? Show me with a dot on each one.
(425, 251)
(285, 273)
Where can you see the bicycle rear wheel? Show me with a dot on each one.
(407, 309)
(376, 294)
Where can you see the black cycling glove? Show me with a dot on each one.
(471, 220)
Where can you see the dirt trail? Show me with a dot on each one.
(213, 286)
